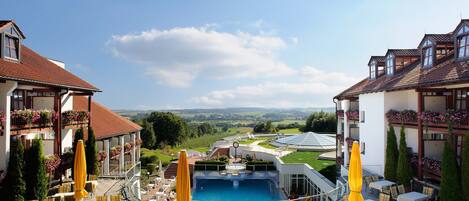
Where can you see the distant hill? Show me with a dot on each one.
(241, 113)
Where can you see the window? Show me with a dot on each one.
(428, 56)
(461, 99)
(17, 100)
(463, 46)
(373, 70)
(362, 116)
(11, 47)
(390, 64)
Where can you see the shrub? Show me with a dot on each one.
(151, 167)
(147, 159)
(148, 135)
(404, 171)
(465, 168)
(330, 172)
(390, 169)
(91, 152)
(14, 185)
(223, 159)
(450, 185)
(209, 165)
(36, 178)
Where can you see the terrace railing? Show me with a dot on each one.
(458, 118)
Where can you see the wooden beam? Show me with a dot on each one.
(81, 94)
(89, 111)
(420, 136)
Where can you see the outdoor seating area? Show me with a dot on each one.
(384, 190)
(159, 189)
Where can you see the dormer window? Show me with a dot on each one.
(390, 64)
(463, 42)
(11, 44)
(373, 70)
(428, 56)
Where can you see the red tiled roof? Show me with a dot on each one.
(446, 71)
(34, 68)
(105, 122)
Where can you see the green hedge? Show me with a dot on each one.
(209, 165)
(260, 165)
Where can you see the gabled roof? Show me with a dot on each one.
(33, 68)
(5, 23)
(378, 59)
(462, 23)
(403, 52)
(436, 38)
(105, 122)
(445, 71)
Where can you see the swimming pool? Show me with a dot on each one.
(252, 189)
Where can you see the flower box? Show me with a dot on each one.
(74, 117)
(353, 115)
(402, 117)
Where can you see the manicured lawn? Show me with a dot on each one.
(267, 145)
(310, 158)
(290, 131)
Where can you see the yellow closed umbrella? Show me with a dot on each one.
(183, 183)
(79, 171)
(355, 174)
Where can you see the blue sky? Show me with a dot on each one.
(205, 54)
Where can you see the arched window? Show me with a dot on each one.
(390, 64)
(428, 56)
(463, 42)
(11, 44)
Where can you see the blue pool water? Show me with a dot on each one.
(217, 189)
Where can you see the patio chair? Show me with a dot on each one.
(367, 183)
(384, 197)
(428, 191)
(69, 198)
(401, 189)
(101, 198)
(374, 178)
(394, 192)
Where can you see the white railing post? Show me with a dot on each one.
(346, 108)
(121, 156)
(108, 156)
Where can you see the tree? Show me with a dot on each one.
(465, 168)
(392, 154)
(148, 135)
(450, 188)
(169, 128)
(320, 122)
(404, 171)
(35, 173)
(14, 186)
(91, 152)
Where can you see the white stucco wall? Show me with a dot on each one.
(372, 131)
(41, 103)
(435, 103)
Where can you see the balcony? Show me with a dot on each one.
(43, 119)
(459, 119)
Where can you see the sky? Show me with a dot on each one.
(212, 54)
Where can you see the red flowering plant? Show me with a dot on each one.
(405, 116)
(70, 117)
(138, 141)
(43, 117)
(354, 114)
(115, 152)
(340, 113)
(21, 118)
(52, 162)
(432, 165)
(102, 156)
(127, 148)
(455, 117)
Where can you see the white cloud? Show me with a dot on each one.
(294, 40)
(313, 88)
(178, 56)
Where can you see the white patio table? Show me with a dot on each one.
(379, 185)
(412, 196)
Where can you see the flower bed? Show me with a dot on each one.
(405, 116)
(32, 118)
(354, 114)
(340, 113)
(74, 117)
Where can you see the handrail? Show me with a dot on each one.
(128, 177)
